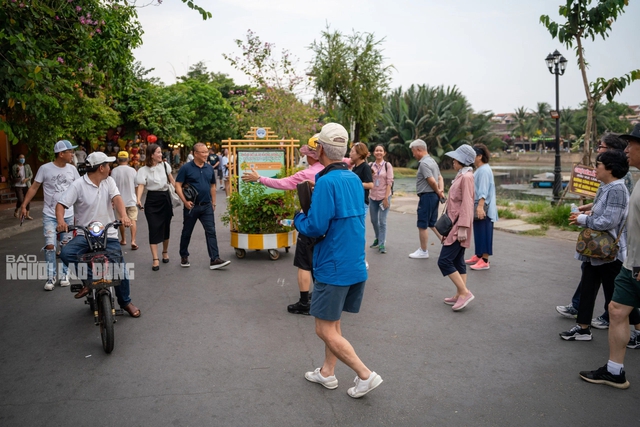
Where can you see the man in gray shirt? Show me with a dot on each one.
(626, 294)
(430, 189)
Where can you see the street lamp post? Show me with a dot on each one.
(557, 64)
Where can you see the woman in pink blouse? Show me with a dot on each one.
(460, 210)
(380, 197)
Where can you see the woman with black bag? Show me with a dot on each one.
(155, 177)
(608, 213)
(460, 211)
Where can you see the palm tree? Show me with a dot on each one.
(522, 124)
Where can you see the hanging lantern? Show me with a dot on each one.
(152, 138)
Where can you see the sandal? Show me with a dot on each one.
(83, 292)
(155, 267)
(165, 260)
(123, 243)
(132, 310)
(134, 247)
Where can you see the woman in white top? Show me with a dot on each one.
(155, 177)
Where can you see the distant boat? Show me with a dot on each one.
(545, 180)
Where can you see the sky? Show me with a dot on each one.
(493, 50)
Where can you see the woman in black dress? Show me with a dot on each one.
(155, 178)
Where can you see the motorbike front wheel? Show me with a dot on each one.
(106, 322)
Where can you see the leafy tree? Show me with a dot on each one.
(541, 120)
(273, 99)
(583, 21)
(522, 125)
(350, 73)
(62, 59)
(442, 117)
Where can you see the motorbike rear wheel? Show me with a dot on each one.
(106, 322)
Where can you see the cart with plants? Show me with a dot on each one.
(255, 212)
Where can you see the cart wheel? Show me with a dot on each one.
(274, 254)
(240, 253)
(286, 249)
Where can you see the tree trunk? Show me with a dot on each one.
(586, 155)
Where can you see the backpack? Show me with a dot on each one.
(386, 169)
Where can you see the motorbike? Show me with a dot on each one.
(101, 277)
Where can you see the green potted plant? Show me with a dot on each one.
(255, 218)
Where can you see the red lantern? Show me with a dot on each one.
(152, 138)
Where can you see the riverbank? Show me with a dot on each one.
(408, 203)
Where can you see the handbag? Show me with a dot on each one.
(599, 244)
(175, 199)
(444, 223)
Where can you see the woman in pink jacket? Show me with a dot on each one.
(460, 210)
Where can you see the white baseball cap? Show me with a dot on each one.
(98, 158)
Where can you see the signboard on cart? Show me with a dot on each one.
(267, 162)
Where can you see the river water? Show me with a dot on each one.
(512, 181)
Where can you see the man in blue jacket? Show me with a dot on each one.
(336, 217)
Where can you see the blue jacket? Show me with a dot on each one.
(337, 212)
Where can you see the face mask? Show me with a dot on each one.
(21, 161)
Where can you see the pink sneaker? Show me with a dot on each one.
(451, 300)
(480, 265)
(474, 259)
(462, 302)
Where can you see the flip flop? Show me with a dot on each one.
(123, 244)
(132, 310)
(134, 247)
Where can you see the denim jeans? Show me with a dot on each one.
(379, 219)
(203, 213)
(79, 245)
(49, 225)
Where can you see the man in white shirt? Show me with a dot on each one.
(125, 177)
(55, 177)
(92, 196)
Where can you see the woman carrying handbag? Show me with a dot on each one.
(460, 211)
(156, 178)
(608, 213)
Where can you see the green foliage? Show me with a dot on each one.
(273, 101)
(62, 59)
(188, 112)
(251, 211)
(583, 21)
(551, 215)
(536, 207)
(506, 213)
(349, 72)
(441, 117)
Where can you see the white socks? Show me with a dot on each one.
(614, 368)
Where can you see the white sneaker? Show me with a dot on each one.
(366, 264)
(363, 387)
(419, 253)
(49, 285)
(316, 377)
(64, 281)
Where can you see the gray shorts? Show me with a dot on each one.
(329, 301)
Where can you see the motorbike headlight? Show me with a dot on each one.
(96, 228)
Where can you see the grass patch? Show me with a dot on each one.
(404, 173)
(507, 213)
(519, 205)
(539, 207)
(503, 202)
(550, 215)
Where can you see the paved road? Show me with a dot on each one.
(217, 348)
